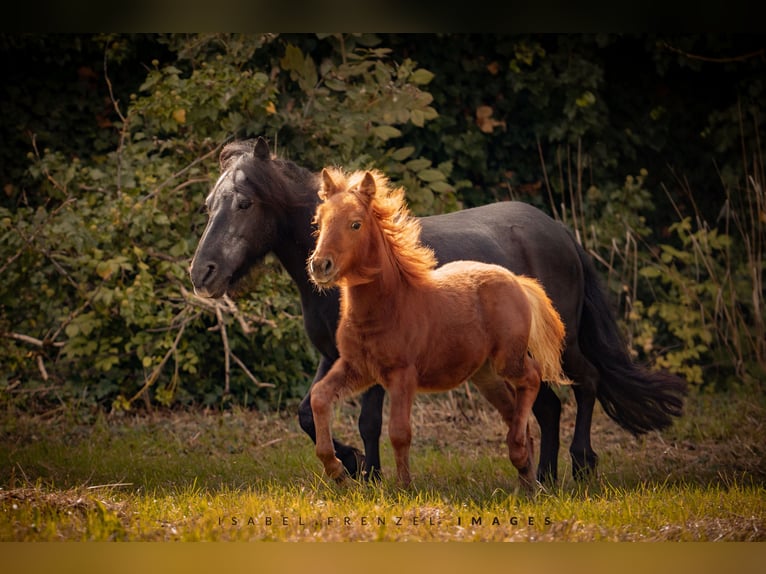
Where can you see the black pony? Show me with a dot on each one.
(262, 204)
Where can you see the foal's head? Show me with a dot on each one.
(364, 230)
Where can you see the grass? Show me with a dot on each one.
(242, 475)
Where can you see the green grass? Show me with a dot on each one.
(242, 475)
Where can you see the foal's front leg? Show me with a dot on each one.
(340, 381)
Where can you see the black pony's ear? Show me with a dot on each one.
(261, 149)
(329, 187)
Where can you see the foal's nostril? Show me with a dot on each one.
(320, 266)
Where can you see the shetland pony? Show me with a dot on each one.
(413, 327)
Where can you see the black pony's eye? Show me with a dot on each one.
(355, 225)
(244, 204)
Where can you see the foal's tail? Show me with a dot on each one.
(546, 336)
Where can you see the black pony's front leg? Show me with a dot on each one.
(370, 424)
(352, 458)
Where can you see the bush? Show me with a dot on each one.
(95, 301)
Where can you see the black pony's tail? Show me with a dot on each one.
(638, 399)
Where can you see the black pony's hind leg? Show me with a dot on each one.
(370, 424)
(352, 458)
(585, 375)
(547, 410)
(584, 458)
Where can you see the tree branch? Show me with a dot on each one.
(724, 60)
(158, 369)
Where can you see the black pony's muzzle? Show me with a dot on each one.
(204, 277)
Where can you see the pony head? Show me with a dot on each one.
(364, 229)
(247, 209)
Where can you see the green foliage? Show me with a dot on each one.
(711, 307)
(111, 144)
(96, 302)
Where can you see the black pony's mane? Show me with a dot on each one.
(278, 183)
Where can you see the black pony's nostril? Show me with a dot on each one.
(202, 274)
(210, 272)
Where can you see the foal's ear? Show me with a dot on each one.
(261, 149)
(329, 187)
(367, 187)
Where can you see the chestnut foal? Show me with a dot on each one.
(414, 328)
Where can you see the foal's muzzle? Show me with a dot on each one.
(322, 270)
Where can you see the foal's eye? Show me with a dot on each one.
(244, 204)
(355, 225)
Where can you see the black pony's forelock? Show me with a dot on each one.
(275, 182)
(233, 150)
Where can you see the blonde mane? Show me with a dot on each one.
(399, 228)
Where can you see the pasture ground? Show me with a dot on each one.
(242, 475)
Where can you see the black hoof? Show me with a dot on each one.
(584, 465)
(353, 462)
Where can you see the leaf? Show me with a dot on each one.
(179, 115)
(421, 76)
(418, 164)
(440, 186)
(431, 175)
(485, 121)
(310, 76)
(105, 269)
(386, 132)
(418, 118)
(293, 58)
(650, 272)
(403, 153)
(336, 85)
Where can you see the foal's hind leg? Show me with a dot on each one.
(515, 406)
(527, 388)
(401, 385)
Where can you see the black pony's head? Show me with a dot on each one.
(248, 208)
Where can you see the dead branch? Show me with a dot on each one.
(218, 307)
(741, 58)
(31, 340)
(173, 348)
(182, 171)
(226, 351)
(249, 374)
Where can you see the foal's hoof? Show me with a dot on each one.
(532, 488)
(528, 480)
(334, 469)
